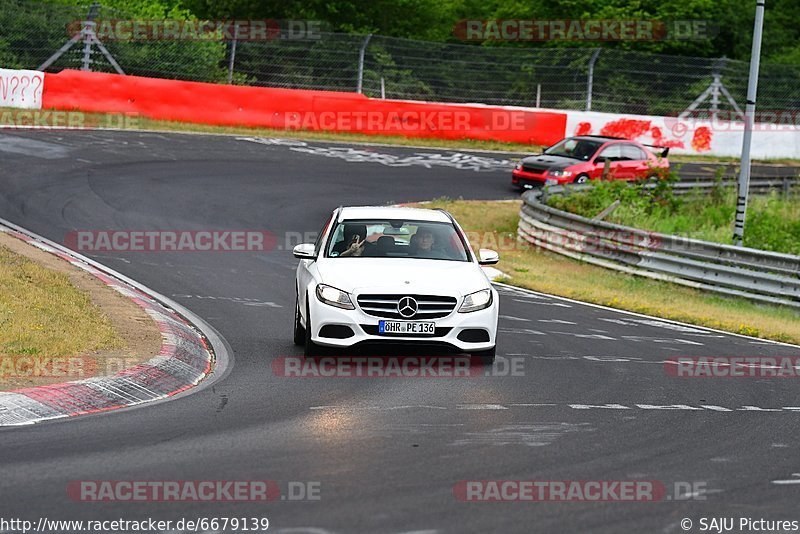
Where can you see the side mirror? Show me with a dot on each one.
(487, 257)
(599, 159)
(304, 251)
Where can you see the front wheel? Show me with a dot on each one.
(299, 331)
(486, 356)
(311, 349)
(581, 179)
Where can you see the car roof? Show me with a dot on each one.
(393, 212)
(600, 138)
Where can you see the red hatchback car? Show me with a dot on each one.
(583, 158)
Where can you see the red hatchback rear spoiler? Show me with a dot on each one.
(664, 150)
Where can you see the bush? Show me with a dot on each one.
(773, 221)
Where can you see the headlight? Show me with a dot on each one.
(518, 166)
(560, 174)
(334, 297)
(476, 301)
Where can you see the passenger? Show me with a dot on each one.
(354, 242)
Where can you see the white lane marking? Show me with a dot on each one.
(379, 408)
(481, 407)
(541, 302)
(715, 408)
(512, 318)
(647, 339)
(521, 331)
(603, 406)
(559, 321)
(239, 300)
(446, 158)
(785, 482)
(667, 407)
(607, 359)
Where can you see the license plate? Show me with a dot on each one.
(406, 327)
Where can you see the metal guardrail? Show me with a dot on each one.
(738, 271)
(785, 184)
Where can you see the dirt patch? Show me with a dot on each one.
(141, 337)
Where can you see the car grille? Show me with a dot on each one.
(428, 306)
(533, 169)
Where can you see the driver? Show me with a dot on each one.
(422, 244)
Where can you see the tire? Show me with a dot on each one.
(299, 330)
(311, 349)
(581, 179)
(487, 356)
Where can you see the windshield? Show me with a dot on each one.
(396, 239)
(581, 149)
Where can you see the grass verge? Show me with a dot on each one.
(59, 323)
(43, 314)
(496, 223)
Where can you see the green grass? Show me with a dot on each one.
(43, 314)
(494, 225)
(773, 220)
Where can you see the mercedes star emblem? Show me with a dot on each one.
(407, 307)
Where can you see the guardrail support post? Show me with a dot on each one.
(749, 114)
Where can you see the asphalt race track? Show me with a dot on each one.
(592, 401)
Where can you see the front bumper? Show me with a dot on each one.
(522, 178)
(364, 328)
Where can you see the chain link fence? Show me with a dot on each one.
(609, 80)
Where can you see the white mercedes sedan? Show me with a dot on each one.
(394, 275)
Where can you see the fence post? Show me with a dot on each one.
(233, 52)
(361, 52)
(590, 79)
